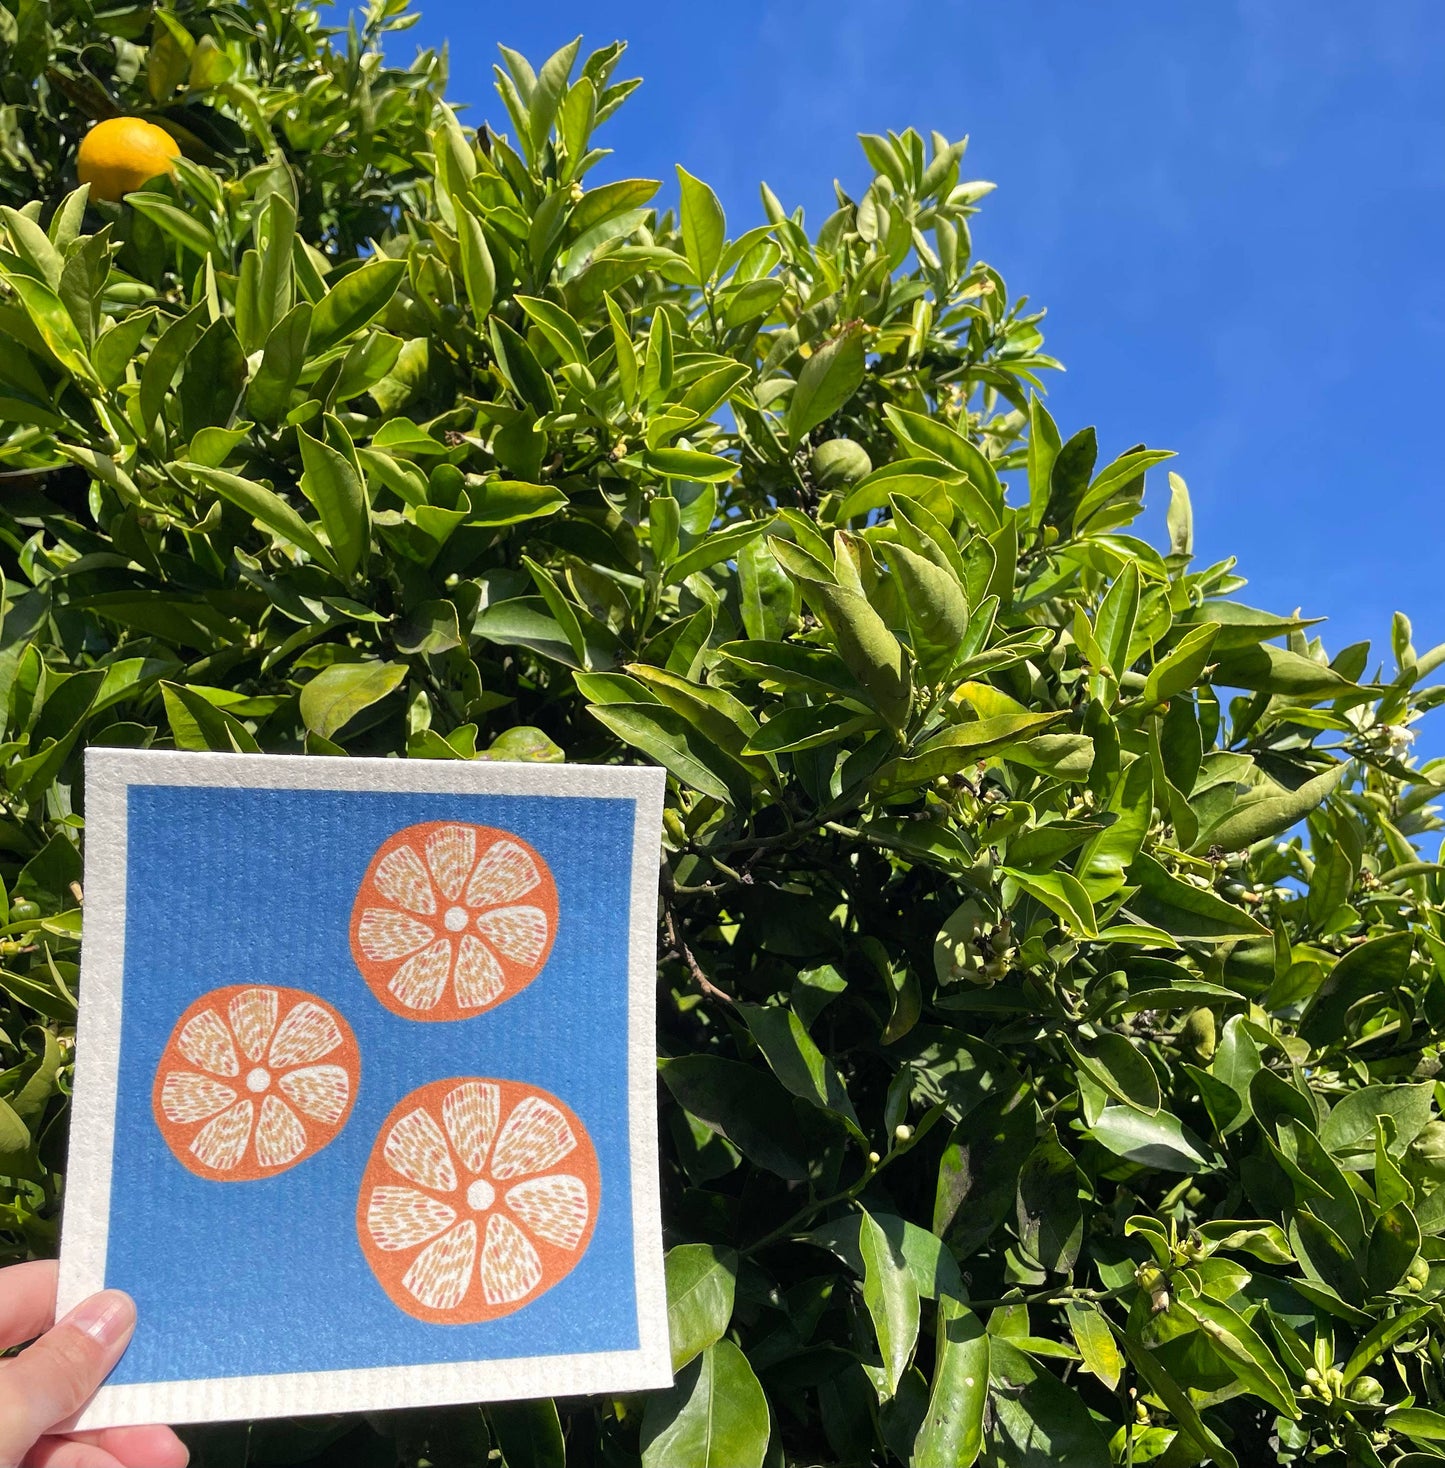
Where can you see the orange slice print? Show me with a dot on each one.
(452, 919)
(478, 1197)
(253, 1080)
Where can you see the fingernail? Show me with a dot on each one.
(106, 1318)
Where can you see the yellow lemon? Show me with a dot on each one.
(122, 154)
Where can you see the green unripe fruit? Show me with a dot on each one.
(1197, 1036)
(839, 461)
(22, 911)
(1149, 1277)
(1418, 1274)
(1367, 1390)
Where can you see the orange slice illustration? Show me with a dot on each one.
(479, 1196)
(253, 1080)
(451, 919)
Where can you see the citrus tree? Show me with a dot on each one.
(1049, 980)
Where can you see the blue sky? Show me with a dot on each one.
(1234, 213)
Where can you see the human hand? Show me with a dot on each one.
(51, 1380)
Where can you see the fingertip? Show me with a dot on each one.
(165, 1449)
(138, 1447)
(108, 1318)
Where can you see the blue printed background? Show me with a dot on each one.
(232, 886)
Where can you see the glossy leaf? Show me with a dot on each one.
(701, 1280)
(337, 694)
(716, 1416)
(355, 301)
(892, 1300)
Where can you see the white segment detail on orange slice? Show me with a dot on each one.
(206, 1042)
(535, 1138)
(253, 1020)
(440, 1274)
(188, 1098)
(318, 1091)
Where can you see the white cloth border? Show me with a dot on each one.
(109, 774)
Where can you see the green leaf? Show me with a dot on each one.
(1037, 1420)
(1393, 1244)
(1325, 1257)
(952, 1432)
(1374, 968)
(547, 94)
(768, 597)
(693, 464)
(1180, 518)
(520, 369)
(355, 301)
(119, 345)
(1115, 1063)
(52, 321)
(1182, 667)
(1381, 1337)
(1268, 810)
(1251, 1360)
(1157, 1378)
(701, 1279)
(214, 377)
(1265, 668)
(1114, 625)
(792, 729)
(526, 744)
(714, 1416)
(721, 718)
(197, 724)
(703, 225)
(332, 483)
(184, 228)
(984, 504)
(268, 398)
(978, 1172)
(829, 378)
(558, 326)
(1419, 1424)
(1050, 1218)
(479, 275)
(744, 1104)
(715, 546)
(935, 1275)
(891, 1298)
(1069, 478)
(1063, 894)
(1109, 855)
(1183, 910)
(936, 607)
(797, 1062)
(679, 746)
(263, 505)
(873, 655)
(1044, 445)
(1095, 1340)
(958, 749)
(1350, 1126)
(337, 694)
(1121, 479)
(528, 1433)
(511, 501)
(1160, 1141)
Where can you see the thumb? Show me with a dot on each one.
(52, 1379)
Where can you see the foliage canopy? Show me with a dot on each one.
(1051, 979)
